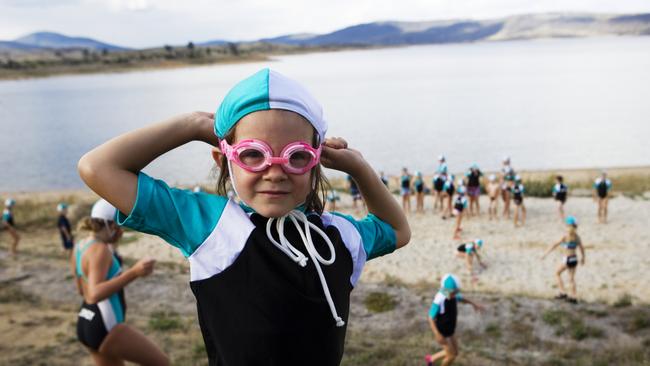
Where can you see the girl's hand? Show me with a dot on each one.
(144, 267)
(478, 307)
(203, 125)
(336, 155)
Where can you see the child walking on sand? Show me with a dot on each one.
(560, 192)
(443, 315)
(602, 186)
(9, 224)
(460, 204)
(272, 276)
(571, 241)
(438, 182)
(418, 183)
(493, 190)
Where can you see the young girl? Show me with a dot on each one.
(468, 251)
(518, 198)
(101, 281)
(602, 186)
(507, 181)
(448, 190)
(560, 191)
(438, 182)
(405, 190)
(8, 223)
(460, 203)
(493, 191)
(64, 229)
(571, 241)
(474, 175)
(418, 183)
(443, 315)
(272, 276)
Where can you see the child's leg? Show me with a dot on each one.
(605, 202)
(452, 351)
(572, 282)
(16, 239)
(459, 217)
(523, 214)
(469, 262)
(516, 217)
(558, 275)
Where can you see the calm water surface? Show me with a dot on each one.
(547, 104)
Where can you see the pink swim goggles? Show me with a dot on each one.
(256, 155)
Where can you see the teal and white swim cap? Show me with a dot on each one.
(570, 220)
(267, 90)
(449, 282)
(9, 202)
(479, 242)
(61, 206)
(103, 210)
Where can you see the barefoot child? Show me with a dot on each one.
(468, 251)
(443, 315)
(560, 191)
(448, 190)
(602, 187)
(493, 190)
(64, 229)
(438, 182)
(405, 190)
(418, 183)
(9, 224)
(474, 189)
(571, 241)
(518, 198)
(460, 204)
(272, 276)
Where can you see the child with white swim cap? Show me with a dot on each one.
(272, 275)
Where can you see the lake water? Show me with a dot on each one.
(564, 103)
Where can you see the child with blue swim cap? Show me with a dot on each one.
(443, 315)
(271, 275)
(418, 184)
(65, 230)
(468, 251)
(570, 242)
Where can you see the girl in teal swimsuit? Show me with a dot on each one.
(101, 281)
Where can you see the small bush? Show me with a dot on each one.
(379, 302)
(493, 330)
(164, 320)
(554, 317)
(624, 300)
(540, 188)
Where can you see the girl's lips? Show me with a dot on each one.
(274, 193)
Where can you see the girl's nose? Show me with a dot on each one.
(275, 173)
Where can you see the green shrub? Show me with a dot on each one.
(379, 302)
(165, 320)
(623, 301)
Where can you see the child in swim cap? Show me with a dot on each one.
(418, 184)
(468, 251)
(493, 190)
(443, 315)
(9, 224)
(517, 191)
(271, 275)
(460, 204)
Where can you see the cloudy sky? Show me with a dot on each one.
(149, 23)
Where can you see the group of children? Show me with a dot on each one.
(273, 271)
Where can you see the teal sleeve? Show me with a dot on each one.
(433, 312)
(459, 296)
(377, 236)
(182, 218)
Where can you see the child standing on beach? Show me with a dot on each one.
(272, 276)
(448, 190)
(354, 192)
(468, 251)
(9, 224)
(560, 191)
(518, 198)
(571, 241)
(473, 176)
(64, 229)
(100, 279)
(460, 204)
(507, 181)
(405, 190)
(438, 182)
(602, 186)
(493, 190)
(418, 183)
(443, 316)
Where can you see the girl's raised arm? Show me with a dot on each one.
(111, 169)
(555, 245)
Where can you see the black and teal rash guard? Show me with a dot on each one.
(256, 305)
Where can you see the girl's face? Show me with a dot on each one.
(272, 192)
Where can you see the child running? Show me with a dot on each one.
(468, 251)
(460, 204)
(518, 198)
(64, 229)
(602, 186)
(9, 224)
(443, 315)
(473, 176)
(405, 190)
(272, 276)
(418, 183)
(493, 190)
(101, 280)
(571, 241)
(560, 191)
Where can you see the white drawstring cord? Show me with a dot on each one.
(298, 257)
